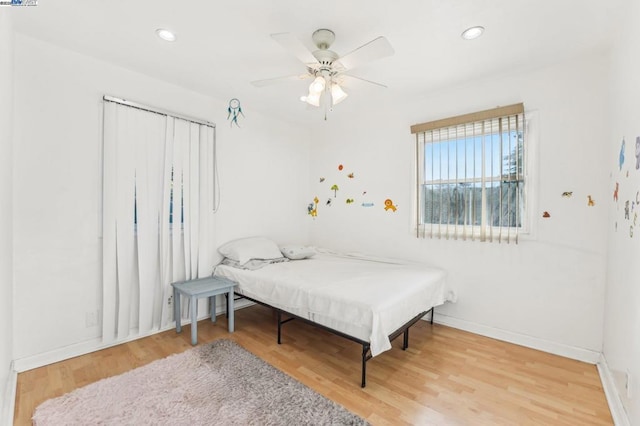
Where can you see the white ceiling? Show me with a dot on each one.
(223, 46)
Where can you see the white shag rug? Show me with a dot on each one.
(219, 383)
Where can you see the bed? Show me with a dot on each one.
(368, 300)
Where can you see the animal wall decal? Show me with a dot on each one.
(388, 205)
(312, 208)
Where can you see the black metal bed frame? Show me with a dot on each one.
(366, 346)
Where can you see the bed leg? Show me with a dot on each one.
(279, 315)
(365, 350)
(405, 343)
(432, 313)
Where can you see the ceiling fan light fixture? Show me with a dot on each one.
(472, 32)
(317, 86)
(313, 99)
(337, 94)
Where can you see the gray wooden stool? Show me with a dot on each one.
(195, 289)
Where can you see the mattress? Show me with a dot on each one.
(364, 297)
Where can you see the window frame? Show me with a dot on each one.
(484, 231)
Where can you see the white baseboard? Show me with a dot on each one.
(585, 355)
(616, 407)
(9, 398)
(71, 351)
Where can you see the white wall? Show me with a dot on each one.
(622, 309)
(263, 172)
(547, 291)
(6, 212)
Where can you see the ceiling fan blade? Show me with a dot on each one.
(375, 49)
(276, 80)
(347, 76)
(295, 47)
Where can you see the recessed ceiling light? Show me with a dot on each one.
(473, 32)
(166, 34)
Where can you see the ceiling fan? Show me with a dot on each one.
(327, 69)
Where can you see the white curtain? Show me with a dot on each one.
(157, 213)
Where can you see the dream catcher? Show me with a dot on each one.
(234, 110)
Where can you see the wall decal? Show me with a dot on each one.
(637, 152)
(328, 203)
(349, 200)
(567, 194)
(367, 204)
(638, 197)
(631, 231)
(621, 158)
(313, 209)
(635, 218)
(615, 192)
(388, 205)
(626, 209)
(590, 201)
(340, 167)
(321, 179)
(350, 175)
(234, 110)
(546, 215)
(335, 189)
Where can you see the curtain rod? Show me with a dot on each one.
(157, 111)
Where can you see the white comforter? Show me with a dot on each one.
(360, 296)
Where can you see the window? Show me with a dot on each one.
(158, 177)
(471, 176)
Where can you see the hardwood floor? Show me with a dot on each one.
(446, 377)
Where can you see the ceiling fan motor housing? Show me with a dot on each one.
(323, 39)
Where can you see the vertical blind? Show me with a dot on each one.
(470, 176)
(158, 176)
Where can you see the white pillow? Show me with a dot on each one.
(245, 249)
(297, 252)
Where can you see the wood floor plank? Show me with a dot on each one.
(445, 377)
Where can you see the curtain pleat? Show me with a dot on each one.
(166, 252)
(149, 164)
(109, 262)
(194, 198)
(125, 232)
